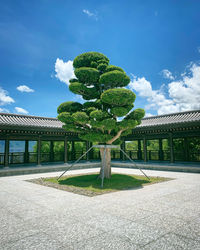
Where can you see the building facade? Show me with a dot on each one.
(35, 140)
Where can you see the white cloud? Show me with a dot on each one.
(142, 86)
(2, 110)
(167, 74)
(148, 115)
(64, 70)
(186, 92)
(5, 98)
(183, 94)
(90, 14)
(21, 110)
(24, 88)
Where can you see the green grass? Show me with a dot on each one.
(91, 182)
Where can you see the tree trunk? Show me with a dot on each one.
(105, 171)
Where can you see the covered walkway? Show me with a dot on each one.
(37, 140)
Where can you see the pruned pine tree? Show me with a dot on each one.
(103, 87)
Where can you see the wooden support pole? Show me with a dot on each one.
(26, 156)
(91, 153)
(145, 149)
(171, 148)
(51, 151)
(122, 146)
(39, 151)
(6, 160)
(186, 151)
(87, 148)
(65, 150)
(139, 153)
(73, 151)
(161, 150)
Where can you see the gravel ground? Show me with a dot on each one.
(165, 215)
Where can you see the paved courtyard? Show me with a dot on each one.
(160, 216)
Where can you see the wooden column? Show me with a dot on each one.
(73, 151)
(39, 151)
(65, 150)
(145, 149)
(51, 151)
(171, 148)
(186, 151)
(139, 153)
(26, 156)
(6, 160)
(160, 150)
(122, 146)
(91, 155)
(87, 148)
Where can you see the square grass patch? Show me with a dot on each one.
(90, 184)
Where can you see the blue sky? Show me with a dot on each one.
(157, 43)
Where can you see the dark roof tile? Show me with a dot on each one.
(176, 118)
(44, 122)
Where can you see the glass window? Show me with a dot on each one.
(58, 146)
(32, 146)
(17, 146)
(131, 145)
(152, 145)
(2, 146)
(45, 146)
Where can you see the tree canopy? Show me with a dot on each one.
(102, 86)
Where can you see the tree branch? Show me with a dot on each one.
(115, 137)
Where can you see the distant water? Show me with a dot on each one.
(17, 146)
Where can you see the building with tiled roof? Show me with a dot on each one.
(16, 120)
(183, 125)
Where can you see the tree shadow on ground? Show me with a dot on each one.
(117, 181)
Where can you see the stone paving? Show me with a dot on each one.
(160, 216)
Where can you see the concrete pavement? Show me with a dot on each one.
(159, 216)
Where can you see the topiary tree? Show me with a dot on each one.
(103, 87)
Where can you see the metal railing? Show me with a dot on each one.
(74, 155)
(16, 158)
(2, 158)
(166, 155)
(58, 156)
(133, 154)
(31, 157)
(115, 155)
(153, 155)
(194, 155)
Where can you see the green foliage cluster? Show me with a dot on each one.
(103, 85)
(45, 147)
(58, 146)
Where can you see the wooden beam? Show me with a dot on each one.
(87, 148)
(145, 149)
(51, 151)
(6, 160)
(171, 148)
(73, 154)
(186, 151)
(65, 150)
(123, 145)
(160, 149)
(139, 153)
(91, 153)
(39, 151)
(26, 156)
